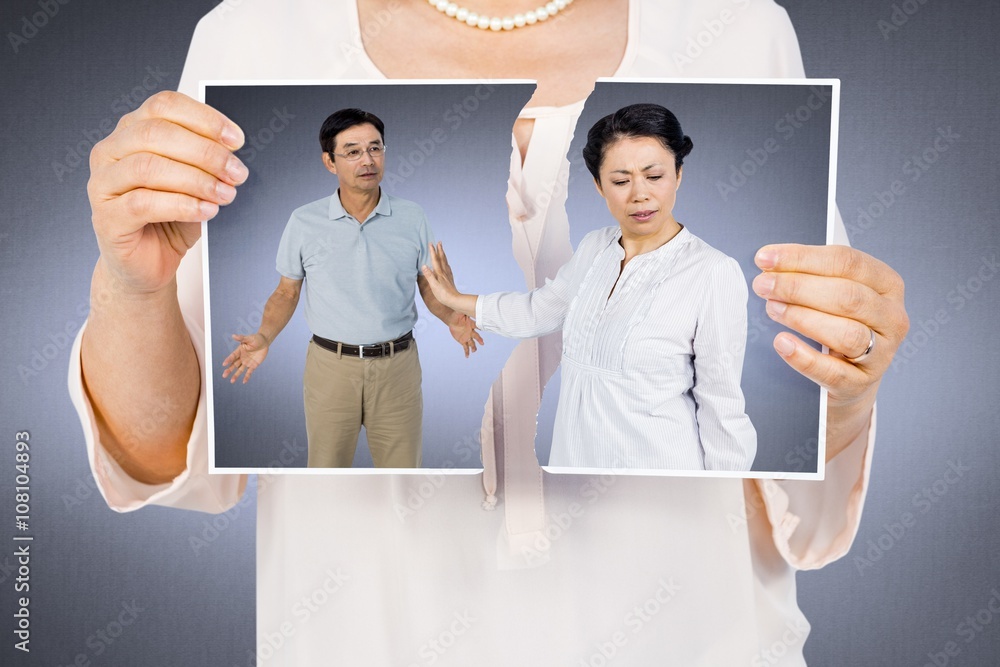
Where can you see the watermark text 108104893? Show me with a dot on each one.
(22, 540)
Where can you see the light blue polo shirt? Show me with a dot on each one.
(359, 278)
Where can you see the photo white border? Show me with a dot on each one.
(820, 473)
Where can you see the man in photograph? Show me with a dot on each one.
(358, 252)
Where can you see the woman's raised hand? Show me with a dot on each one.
(440, 277)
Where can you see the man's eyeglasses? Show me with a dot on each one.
(355, 154)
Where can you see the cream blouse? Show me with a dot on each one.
(651, 570)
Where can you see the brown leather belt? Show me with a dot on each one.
(366, 351)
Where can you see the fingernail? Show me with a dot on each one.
(784, 345)
(766, 258)
(225, 192)
(763, 284)
(207, 209)
(776, 308)
(232, 136)
(236, 170)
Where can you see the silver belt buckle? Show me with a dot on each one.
(361, 351)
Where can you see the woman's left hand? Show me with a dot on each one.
(844, 299)
(440, 277)
(442, 283)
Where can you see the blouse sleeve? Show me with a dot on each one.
(814, 523)
(543, 309)
(727, 435)
(193, 489)
(785, 54)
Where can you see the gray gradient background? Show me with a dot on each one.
(461, 182)
(938, 404)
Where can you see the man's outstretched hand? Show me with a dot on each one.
(248, 355)
(463, 329)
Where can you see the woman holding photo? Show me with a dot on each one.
(718, 557)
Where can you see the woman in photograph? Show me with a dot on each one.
(653, 318)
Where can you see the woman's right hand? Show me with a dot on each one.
(167, 166)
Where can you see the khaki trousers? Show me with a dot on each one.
(342, 394)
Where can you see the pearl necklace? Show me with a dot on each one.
(496, 23)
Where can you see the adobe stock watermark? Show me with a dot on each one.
(712, 30)
(899, 15)
(78, 154)
(53, 346)
(424, 491)
(634, 621)
(258, 140)
(958, 299)
(753, 505)
(107, 635)
(214, 526)
(875, 549)
(794, 636)
(558, 524)
(351, 50)
(914, 168)
(370, 29)
(412, 156)
(785, 128)
(420, 494)
(801, 454)
(247, 326)
(972, 626)
(272, 640)
(454, 628)
(31, 24)
(557, 188)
